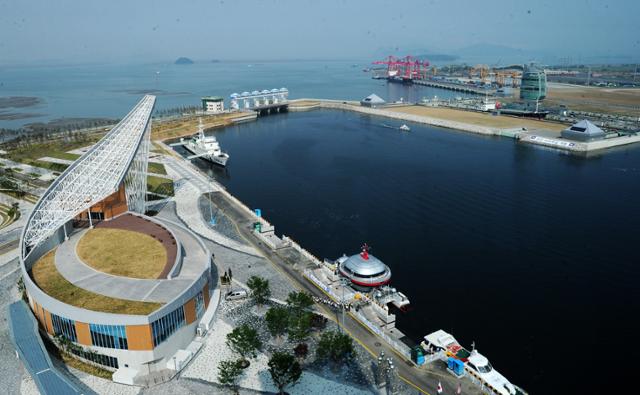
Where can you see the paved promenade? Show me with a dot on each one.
(189, 186)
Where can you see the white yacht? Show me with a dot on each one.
(205, 147)
(478, 365)
(404, 128)
(475, 363)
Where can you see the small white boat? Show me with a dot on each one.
(403, 128)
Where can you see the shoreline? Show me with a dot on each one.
(291, 266)
(540, 137)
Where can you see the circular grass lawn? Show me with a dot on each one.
(122, 253)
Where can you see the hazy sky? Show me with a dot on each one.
(133, 31)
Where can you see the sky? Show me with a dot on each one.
(114, 31)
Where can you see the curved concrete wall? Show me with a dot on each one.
(79, 314)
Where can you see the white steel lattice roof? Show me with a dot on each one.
(90, 179)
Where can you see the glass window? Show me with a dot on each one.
(97, 358)
(199, 304)
(164, 327)
(64, 327)
(485, 369)
(109, 336)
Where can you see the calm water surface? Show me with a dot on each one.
(111, 90)
(530, 253)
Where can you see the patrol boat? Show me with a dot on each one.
(205, 147)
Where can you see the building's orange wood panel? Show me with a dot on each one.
(48, 324)
(38, 313)
(190, 311)
(139, 337)
(112, 205)
(205, 295)
(83, 333)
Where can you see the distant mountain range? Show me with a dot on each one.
(491, 54)
(437, 57)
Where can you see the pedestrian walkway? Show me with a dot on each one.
(9, 263)
(59, 161)
(26, 169)
(182, 171)
(190, 185)
(31, 350)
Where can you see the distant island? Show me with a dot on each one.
(184, 61)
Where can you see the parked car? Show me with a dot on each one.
(236, 294)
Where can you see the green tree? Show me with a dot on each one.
(299, 326)
(299, 302)
(335, 346)
(14, 210)
(22, 289)
(284, 369)
(228, 373)
(301, 350)
(260, 290)
(244, 341)
(277, 320)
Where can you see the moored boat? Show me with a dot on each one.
(205, 147)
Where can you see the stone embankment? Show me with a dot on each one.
(310, 104)
(530, 137)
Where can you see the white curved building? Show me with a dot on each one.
(364, 270)
(131, 325)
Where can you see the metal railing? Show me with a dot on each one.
(401, 348)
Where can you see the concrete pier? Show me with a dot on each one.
(456, 87)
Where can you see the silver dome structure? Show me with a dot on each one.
(364, 269)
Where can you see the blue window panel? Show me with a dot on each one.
(199, 305)
(109, 336)
(64, 327)
(165, 326)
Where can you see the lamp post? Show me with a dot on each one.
(212, 220)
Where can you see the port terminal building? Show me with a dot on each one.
(533, 85)
(213, 104)
(98, 305)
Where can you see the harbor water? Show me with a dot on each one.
(528, 252)
(111, 90)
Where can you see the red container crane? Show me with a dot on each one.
(406, 69)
